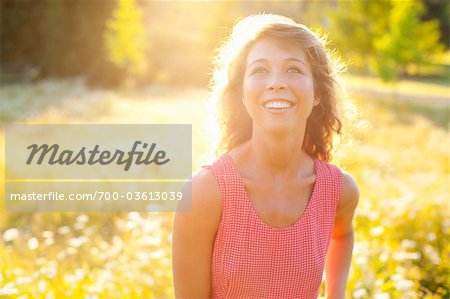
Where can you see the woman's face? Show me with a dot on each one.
(278, 87)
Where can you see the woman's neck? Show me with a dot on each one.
(281, 156)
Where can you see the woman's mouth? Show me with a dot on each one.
(278, 106)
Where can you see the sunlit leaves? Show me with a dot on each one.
(125, 38)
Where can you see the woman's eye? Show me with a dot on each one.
(259, 70)
(294, 69)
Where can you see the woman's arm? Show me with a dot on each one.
(193, 238)
(339, 255)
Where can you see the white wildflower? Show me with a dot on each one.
(63, 230)
(33, 243)
(377, 231)
(361, 260)
(49, 242)
(359, 293)
(42, 286)
(382, 296)
(47, 234)
(83, 218)
(8, 289)
(431, 236)
(408, 244)
(10, 234)
(403, 284)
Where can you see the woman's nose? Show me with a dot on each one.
(277, 82)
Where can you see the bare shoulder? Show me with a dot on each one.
(346, 208)
(204, 194)
(350, 191)
(205, 189)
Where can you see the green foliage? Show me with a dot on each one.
(108, 41)
(58, 38)
(125, 38)
(384, 37)
(407, 40)
(439, 10)
(402, 218)
(354, 25)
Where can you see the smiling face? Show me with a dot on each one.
(278, 87)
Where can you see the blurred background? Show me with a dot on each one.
(131, 61)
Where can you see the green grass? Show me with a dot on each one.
(399, 157)
(426, 88)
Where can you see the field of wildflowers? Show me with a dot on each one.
(399, 157)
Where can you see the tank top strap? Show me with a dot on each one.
(332, 180)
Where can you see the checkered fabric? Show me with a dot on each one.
(252, 259)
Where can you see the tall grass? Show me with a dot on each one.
(399, 159)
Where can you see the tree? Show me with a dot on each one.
(408, 40)
(125, 40)
(384, 37)
(353, 27)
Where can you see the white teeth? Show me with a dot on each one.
(277, 105)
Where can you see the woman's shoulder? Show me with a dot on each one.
(204, 193)
(202, 206)
(350, 190)
(204, 184)
(349, 186)
(349, 196)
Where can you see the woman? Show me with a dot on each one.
(271, 214)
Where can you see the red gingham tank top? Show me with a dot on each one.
(252, 259)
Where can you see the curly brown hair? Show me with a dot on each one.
(229, 68)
